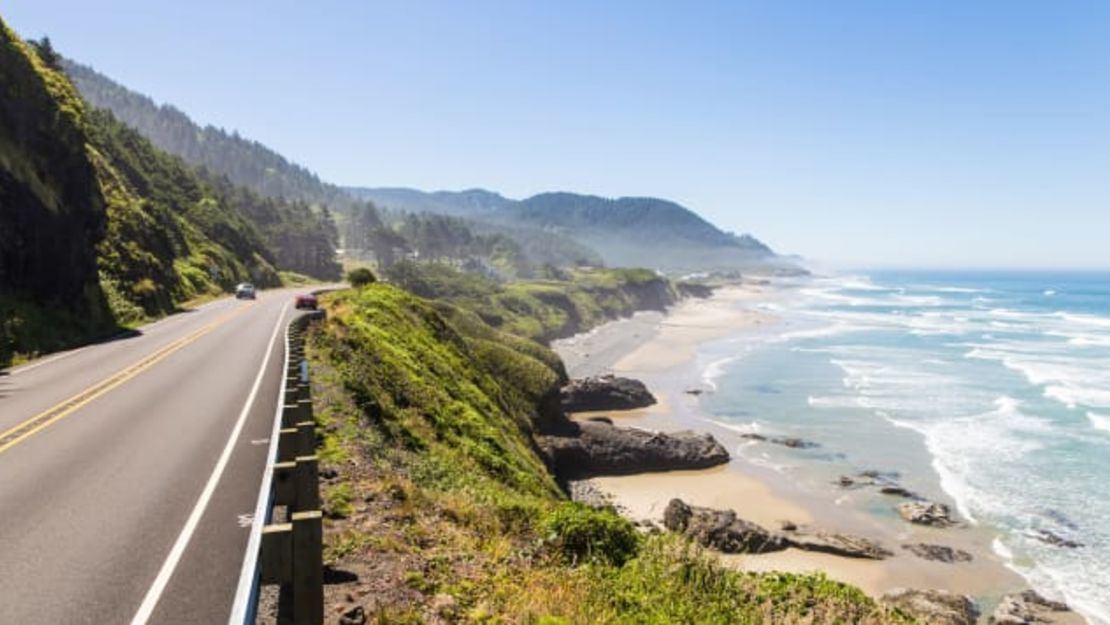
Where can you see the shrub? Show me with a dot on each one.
(361, 277)
(583, 534)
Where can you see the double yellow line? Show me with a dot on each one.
(24, 430)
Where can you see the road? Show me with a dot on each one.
(129, 469)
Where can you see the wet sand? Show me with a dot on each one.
(660, 350)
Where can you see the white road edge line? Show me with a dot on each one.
(247, 590)
(154, 594)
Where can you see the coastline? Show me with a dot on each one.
(662, 350)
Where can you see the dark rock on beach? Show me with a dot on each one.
(926, 513)
(843, 545)
(936, 607)
(724, 531)
(1054, 539)
(938, 553)
(1027, 608)
(720, 529)
(598, 448)
(788, 441)
(605, 392)
(895, 490)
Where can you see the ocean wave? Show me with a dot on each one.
(834, 401)
(714, 370)
(1099, 422)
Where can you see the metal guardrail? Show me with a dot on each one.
(289, 553)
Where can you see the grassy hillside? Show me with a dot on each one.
(567, 302)
(439, 505)
(246, 163)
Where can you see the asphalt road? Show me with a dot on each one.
(112, 504)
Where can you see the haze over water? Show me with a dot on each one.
(990, 391)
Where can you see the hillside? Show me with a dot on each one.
(52, 213)
(627, 232)
(101, 228)
(246, 163)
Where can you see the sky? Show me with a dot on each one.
(856, 134)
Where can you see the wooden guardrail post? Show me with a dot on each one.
(308, 574)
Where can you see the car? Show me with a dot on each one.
(305, 301)
(245, 290)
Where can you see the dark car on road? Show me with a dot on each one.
(305, 302)
(245, 290)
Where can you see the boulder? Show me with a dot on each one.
(598, 448)
(926, 513)
(1027, 608)
(605, 392)
(895, 490)
(724, 531)
(936, 607)
(719, 529)
(938, 553)
(354, 615)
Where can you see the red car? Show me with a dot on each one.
(306, 302)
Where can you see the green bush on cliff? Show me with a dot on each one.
(584, 534)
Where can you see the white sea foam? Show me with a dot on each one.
(1099, 421)
(834, 401)
(714, 370)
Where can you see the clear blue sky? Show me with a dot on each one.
(856, 133)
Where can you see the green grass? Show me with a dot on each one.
(540, 310)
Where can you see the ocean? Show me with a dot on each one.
(989, 391)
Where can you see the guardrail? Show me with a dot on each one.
(289, 552)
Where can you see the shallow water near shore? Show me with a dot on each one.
(988, 392)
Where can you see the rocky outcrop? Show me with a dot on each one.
(720, 529)
(843, 545)
(1028, 608)
(605, 392)
(938, 553)
(598, 448)
(926, 513)
(723, 531)
(936, 607)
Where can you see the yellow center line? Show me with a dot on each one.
(17, 434)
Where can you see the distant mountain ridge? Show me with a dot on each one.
(627, 231)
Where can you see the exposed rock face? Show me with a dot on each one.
(598, 448)
(1027, 608)
(606, 392)
(938, 553)
(720, 529)
(926, 513)
(724, 531)
(936, 607)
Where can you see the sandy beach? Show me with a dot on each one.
(661, 351)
